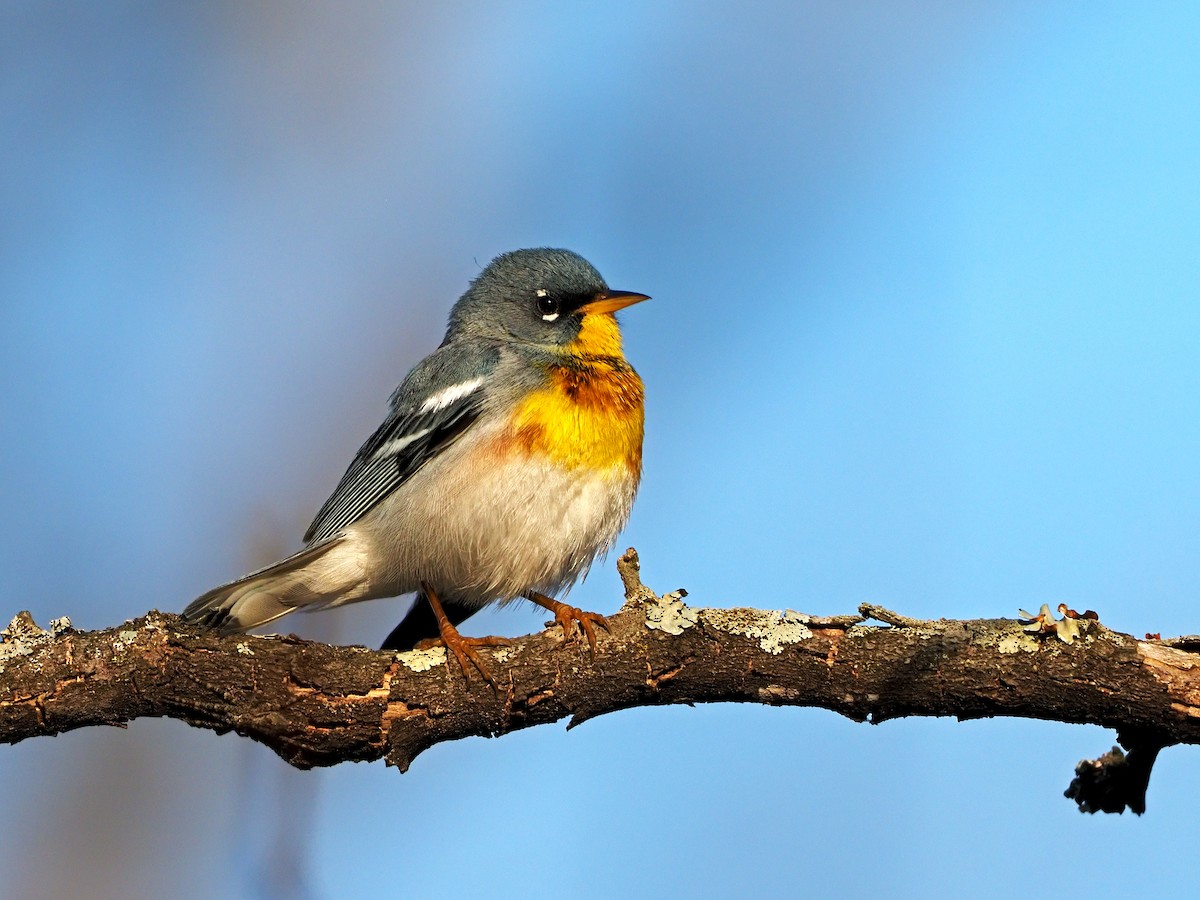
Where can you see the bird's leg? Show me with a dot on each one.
(463, 648)
(569, 616)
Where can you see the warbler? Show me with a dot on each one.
(507, 463)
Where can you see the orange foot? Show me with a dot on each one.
(569, 616)
(463, 648)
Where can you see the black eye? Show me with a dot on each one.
(547, 305)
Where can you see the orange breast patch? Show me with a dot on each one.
(589, 415)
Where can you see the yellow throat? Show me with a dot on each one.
(590, 414)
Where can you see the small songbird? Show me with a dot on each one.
(509, 460)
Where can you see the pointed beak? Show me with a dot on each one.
(611, 301)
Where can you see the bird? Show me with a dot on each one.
(507, 463)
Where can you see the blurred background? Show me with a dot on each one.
(925, 332)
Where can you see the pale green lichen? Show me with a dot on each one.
(21, 628)
(11, 648)
(670, 614)
(503, 654)
(244, 649)
(862, 631)
(124, 639)
(22, 637)
(423, 660)
(773, 629)
(1017, 642)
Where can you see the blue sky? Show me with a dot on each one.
(924, 332)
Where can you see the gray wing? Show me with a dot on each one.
(439, 400)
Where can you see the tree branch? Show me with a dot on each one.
(317, 705)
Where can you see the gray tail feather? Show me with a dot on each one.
(263, 596)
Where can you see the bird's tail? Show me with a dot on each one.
(315, 577)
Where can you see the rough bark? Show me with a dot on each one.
(317, 705)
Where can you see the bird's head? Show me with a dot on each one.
(554, 299)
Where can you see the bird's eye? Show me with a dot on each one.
(547, 305)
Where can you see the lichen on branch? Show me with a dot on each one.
(316, 704)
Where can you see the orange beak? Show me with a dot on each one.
(611, 301)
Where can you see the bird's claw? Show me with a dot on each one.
(566, 616)
(463, 649)
(569, 616)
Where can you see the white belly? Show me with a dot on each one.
(477, 529)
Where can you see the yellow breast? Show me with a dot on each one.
(590, 413)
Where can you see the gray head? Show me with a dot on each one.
(535, 296)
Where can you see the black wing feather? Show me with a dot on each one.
(370, 478)
(373, 475)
